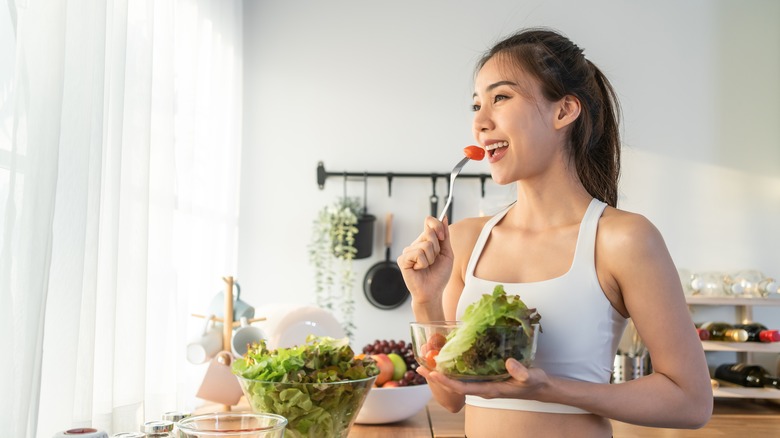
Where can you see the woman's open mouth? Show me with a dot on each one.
(496, 150)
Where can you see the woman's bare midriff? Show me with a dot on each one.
(492, 423)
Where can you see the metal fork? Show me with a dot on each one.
(455, 171)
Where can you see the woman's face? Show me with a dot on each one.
(514, 123)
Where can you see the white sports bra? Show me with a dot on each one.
(581, 329)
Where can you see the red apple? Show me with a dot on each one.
(391, 384)
(385, 366)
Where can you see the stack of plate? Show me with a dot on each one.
(287, 325)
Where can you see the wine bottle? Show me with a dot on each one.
(704, 335)
(723, 331)
(751, 376)
(759, 333)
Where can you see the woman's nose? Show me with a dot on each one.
(482, 121)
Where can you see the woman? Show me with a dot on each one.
(547, 118)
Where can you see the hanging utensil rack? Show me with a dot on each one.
(322, 175)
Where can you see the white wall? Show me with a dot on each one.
(370, 86)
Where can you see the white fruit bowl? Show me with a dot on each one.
(389, 405)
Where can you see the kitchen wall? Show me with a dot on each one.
(385, 86)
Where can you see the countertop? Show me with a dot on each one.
(731, 418)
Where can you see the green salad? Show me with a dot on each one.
(318, 386)
(493, 329)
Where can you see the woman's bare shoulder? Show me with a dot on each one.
(466, 231)
(627, 240)
(463, 237)
(621, 230)
(631, 255)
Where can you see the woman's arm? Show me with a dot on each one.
(425, 262)
(640, 269)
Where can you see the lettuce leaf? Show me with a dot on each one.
(480, 345)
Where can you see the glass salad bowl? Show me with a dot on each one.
(454, 350)
(311, 409)
(319, 386)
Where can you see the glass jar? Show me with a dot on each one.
(175, 417)
(707, 284)
(158, 429)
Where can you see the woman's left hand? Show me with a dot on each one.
(524, 383)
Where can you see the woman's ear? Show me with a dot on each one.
(568, 110)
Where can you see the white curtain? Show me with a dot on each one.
(120, 135)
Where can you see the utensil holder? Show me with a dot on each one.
(627, 367)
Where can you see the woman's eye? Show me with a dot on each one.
(475, 107)
(500, 97)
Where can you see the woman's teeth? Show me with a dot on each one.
(496, 145)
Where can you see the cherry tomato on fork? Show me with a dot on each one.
(475, 153)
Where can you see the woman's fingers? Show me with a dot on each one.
(430, 377)
(518, 386)
(438, 227)
(423, 251)
(517, 370)
(414, 257)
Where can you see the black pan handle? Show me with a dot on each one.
(389, 230)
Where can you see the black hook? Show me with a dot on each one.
(365, 192)
(321, 175)
(389, 184)
(482, 179)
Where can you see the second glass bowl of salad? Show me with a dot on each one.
(326, 409)
(318, 387)
(454, 350)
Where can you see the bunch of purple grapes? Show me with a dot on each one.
(403, 349)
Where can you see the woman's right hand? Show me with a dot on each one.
(426, 264)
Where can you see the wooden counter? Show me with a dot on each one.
(731, 418)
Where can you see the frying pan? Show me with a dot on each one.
(384, 285)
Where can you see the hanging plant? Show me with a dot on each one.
(331, 251)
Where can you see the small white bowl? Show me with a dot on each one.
(388, 405)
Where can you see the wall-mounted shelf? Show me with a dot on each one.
(742, 392)
(736, 347)
(744, 350)
(731, 301)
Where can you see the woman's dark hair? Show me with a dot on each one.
(562, 70)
